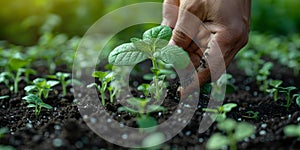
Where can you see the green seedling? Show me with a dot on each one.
(104, 78)
(221, 111)
(41, 87)
(287, 92)
(5, 78)
(3, 131)
(141, 110)
(64, 80)
(292, 131)
(35, 102)
(252, 114)
(262, 76)
(297, 99)
(153, 46)
(275, 84)
(234, 132)
(145, 88)
(218, 92)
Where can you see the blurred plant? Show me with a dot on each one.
(262, 76)
(252, 114)
(36, 102)
(220, 85)
(288, 97)
(235, 132)
(297, 99)
(292, 131)
(220, 112)
(141, 109)
(41, 87)
(3, 131)
(275, 84)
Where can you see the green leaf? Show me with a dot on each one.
(142, 46)
(4, 97)
(292, 130)
(126, 54)
(31, 98)
(155, 108)
(227, 107)
(153, 140)
(297, 96)
(227, 125)
(127, 109)
(175, 56)
(146, 121)
(217, 141)
(52, 83)
(99, 74)
(31, 105)
(46, 105)
(16, 63)
(243, 130)
(159, 32)
(275, 83)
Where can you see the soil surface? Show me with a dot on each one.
(63, 127)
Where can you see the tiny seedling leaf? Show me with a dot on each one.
(292, 130)
(228, 107)
(227, 125)
(146, 121)
(31, 105)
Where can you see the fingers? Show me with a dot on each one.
(188, 22)
(170, 12)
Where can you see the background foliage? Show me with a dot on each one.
(23, 22)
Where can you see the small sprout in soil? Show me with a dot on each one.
(234, 132)
(221, 111)
(218, 92)
(40, 87)
(287, 92)
(104, 78)
(6, 77)
(153, 46)
(275, 84)
(262, 76)
(36, 103)
(292, 131)
(297, 99)
(3, 131)
(144, 88)
(142, 111)
(252, 114)
(64, 79)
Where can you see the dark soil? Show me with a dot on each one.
(64, 128)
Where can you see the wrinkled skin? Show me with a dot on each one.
(220, 25)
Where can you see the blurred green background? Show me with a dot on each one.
(24, 21)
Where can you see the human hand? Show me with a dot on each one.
(211, 31)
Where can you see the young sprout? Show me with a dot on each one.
(292, 131)
(276, 87)
(262, 76)
(221, 111)
(104, 78)
(5, 77)
(36, 103)
(153, 46)
(41, 87)
(141, 109)
(144, 88)
(235, 132)
(64, 80)
(252, 114)
(287, 93)
(4, 97)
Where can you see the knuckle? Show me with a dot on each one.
(181, 39)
